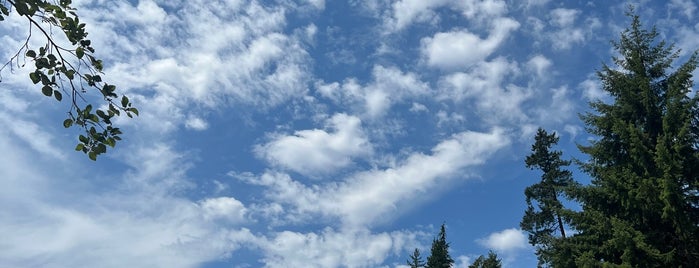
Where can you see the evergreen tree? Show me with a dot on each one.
(415, 260)
(439, 255)
(642, 206)
(543, 223)
(492, 261)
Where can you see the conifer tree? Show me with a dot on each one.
(415, 260)
(543, 223)
(439, 255)
(492, 261)
(642, 206)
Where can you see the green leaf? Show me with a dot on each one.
(35, 77)
(31, 54)
(80, 147)
(44, 79)
(47, 90)
(101, 148)
(134, 110)
(79, 52)
(92, 156)
(67, 123)
(83, 139)
(57, 94)
(111, 142)
(124, 101)
(101, 114)
(94, 118)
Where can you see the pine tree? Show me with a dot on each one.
(642, 206)
(492, 261)
(415, 260)
(543, 223)
(439, 255)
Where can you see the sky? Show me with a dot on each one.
(278, 133)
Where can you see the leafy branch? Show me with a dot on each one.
(58, 75)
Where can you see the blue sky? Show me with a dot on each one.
(306, 133)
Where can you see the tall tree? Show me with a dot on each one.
(642, 206)
(543, 223)
(492, 261)
(439, 255)
(415, 260)
(66, 64)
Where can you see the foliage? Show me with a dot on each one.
(492, 261)
(439, 255)
(542, 223)
(642, 206)
(415, 260)
(69, 69)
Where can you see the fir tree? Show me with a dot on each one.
(492, 261)
(642, 206)
(415, 260)
(543, 223)
(439, 255)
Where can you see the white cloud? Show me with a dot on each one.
(560, 108)
(483, 85)
(686, 7)
(566, 33)
(407, 12)
(563, 17)
(32, 134)
(592, 90)
(196, 123)
(223, 207)
(537, 2)
(388, 87)
(220, 53)
(55, 217)
(317, 151)
(444, 118)
(507, 240)
(540, 66)
(418, 107)
(461, 48)
(334, 248)
(319, 4)
(462, 261)
(373, 195)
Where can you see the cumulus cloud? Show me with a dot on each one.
(196, 123)
(539, 65)
(388, 87)
(484, 85)
(318, 151)
(592, 90)
(227, 208)
(561, 106)
(334, 248)
(505, 241)
(369, 196)
(461, 48)
(566, 33)
(406, 12)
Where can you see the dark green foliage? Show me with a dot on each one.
(642, 207)
(415, 260)
(492, 261)
(70, 70)
(545, 215)
(439, 255)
